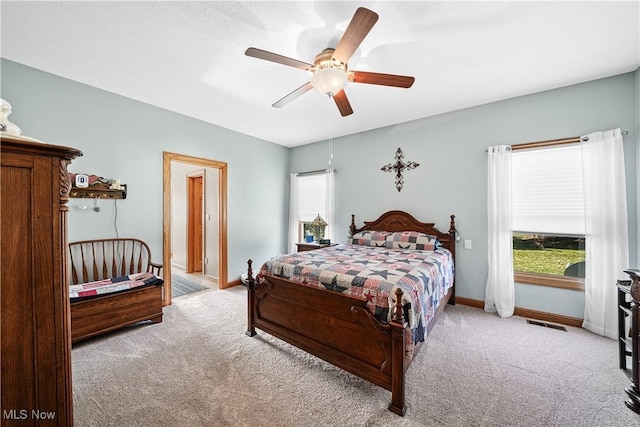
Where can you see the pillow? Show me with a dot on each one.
(370, 238)
(412, 240)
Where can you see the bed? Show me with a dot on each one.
(114, 284)
(315, 307)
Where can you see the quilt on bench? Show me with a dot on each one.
(113, 285)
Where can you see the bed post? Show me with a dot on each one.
(251, 330)
(453, 234)
(352, 227)
(397, 357)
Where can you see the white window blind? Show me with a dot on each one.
(312, 193)
(547, 190)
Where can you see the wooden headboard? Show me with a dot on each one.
(403, 221)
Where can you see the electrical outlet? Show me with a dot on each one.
(467, 244)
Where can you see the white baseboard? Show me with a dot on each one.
(178, 267)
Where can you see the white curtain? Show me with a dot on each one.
(293, 212)
(317, 198)
(607, 237)
(500, 290)
(330, 204)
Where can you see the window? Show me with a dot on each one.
(312, 191)
(311, 195)
(548, 216)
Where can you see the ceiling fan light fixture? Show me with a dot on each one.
(329, 81)
(330, 72)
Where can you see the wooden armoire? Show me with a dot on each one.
(35, 353)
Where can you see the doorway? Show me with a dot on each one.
(217, 216)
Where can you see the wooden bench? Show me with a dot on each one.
(93, 260)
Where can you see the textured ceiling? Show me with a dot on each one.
(188, 57)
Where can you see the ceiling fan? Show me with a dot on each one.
(330, 71)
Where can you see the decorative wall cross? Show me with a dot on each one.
(399, 166)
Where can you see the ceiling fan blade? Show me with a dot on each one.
(381, 79)
(293, 95)
(361, 23)
(279, 59)
(343, 103)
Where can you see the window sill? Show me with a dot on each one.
(552, 281)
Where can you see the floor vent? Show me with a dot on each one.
(548, 325)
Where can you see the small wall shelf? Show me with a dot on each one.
(103, 193)
(98, 186)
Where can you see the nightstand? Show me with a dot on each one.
(303, 247)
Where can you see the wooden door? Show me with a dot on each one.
(194, 224)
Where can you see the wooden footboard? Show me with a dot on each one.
(334, 327)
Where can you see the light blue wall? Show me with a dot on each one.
(125, 139)
(122, 138)
(451, 178)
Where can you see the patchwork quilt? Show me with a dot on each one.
(374, 273)
(115, 284)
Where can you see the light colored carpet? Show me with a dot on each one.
(197, 368)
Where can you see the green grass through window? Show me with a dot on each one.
(546, 254)
(546, 261)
